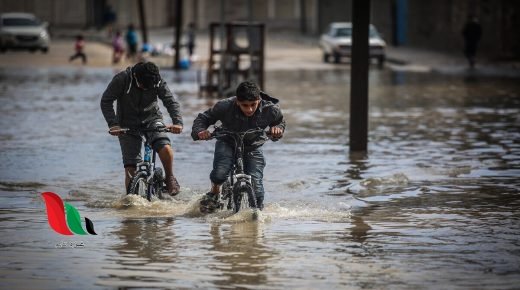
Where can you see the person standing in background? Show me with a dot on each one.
(109, 19)
(131, 42)
(190, 35)
(472, 33)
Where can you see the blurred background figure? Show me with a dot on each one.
(190, 36)
(131, 42)
(109, 19)
(118, 47)
(79, 46)
(472, 32)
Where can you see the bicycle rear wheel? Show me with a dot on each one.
(138, 185)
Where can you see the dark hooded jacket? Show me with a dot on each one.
(227, 111)
(136, 107)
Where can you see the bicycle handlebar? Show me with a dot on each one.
(127, 130)
(219, 132)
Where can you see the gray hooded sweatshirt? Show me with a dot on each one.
(227, 111)
(136, 107)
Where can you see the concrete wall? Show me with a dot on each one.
(434, 24)
(72, 13)
(437, 24)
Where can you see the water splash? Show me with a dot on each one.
(308, 211)
(378, 185)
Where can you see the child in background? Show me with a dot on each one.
(79, 46)
(118, 47)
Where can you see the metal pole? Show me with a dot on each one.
(178, 30)
(359, 76)
(222, 49)
(251, 75)
(142, 18)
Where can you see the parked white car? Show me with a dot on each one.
(23, 31)
(337, 42)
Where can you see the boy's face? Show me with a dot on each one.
(248, 107)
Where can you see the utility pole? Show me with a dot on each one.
(303, 17)
(250, 40)
(178, 30)
(359, 76)
(142, 18)
(222, 48)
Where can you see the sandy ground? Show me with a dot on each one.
(283, 51)
(98, 54)
(280, 53)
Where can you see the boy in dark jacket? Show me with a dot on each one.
(136, 90)
(250, 109)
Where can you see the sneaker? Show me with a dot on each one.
(209, 203)
(172, 186)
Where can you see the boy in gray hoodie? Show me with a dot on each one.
(249, 109)
(136, 90)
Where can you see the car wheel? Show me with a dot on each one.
(45, 49)
(32, 49)
(326, 57)
(3, 49)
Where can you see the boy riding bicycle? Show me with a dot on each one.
(136, 90)
(249, 109)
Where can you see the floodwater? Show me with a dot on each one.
(433, 204)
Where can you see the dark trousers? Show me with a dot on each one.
(79, 54)
(254, 164)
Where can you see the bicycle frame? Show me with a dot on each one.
(148, 167)
(151, 176)
(238, 182)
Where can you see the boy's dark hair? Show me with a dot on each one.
(147, 74)
(248, 91)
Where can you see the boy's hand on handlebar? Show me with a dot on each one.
(175, 129)
(115, 131)
(204, 135)
(276, 132)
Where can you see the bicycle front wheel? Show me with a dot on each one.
(138, 185)
(244, 198)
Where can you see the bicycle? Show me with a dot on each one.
(148, 180)
(239, 186)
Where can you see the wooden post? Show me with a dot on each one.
(359, 76)
(142, 18)
(178, 30)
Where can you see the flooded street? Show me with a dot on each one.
(433, 204)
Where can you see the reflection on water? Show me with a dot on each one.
(143, 241)
(432, 204)
(240, 254)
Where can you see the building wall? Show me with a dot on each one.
(52, 11)
(433, 24)
(438, 24)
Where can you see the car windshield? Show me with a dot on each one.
(347, 32)
(343, 32)
(373, 32)
(20, 22)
